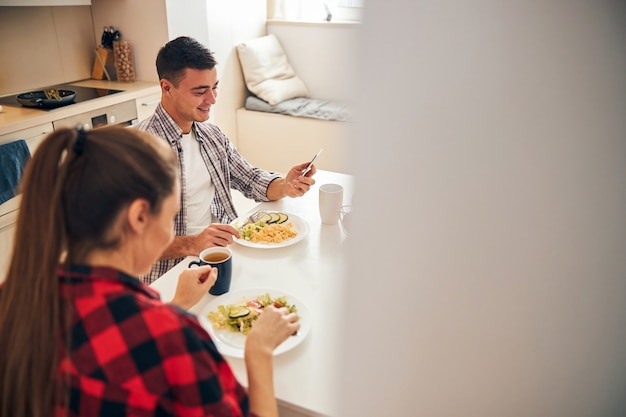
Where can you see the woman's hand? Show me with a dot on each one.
(271, 328)
(193, 284)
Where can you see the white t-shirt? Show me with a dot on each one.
(200, 188)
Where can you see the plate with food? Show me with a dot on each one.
(271, 229)
(229, 318)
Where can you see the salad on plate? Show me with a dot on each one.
(239, 317)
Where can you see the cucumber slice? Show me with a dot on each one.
(275, 217)
(282, 218)
(238, 311)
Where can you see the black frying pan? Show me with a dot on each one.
(47, 99)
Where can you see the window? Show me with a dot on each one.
(348, 9)
(316, 10)
(351, 3)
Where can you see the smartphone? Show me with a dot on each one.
(308, 167)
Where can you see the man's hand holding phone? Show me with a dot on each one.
(308, 168)
(296, 183)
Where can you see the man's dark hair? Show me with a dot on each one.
(181, 53)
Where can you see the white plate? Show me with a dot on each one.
(232, 343)
(299, 224)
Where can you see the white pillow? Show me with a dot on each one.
(267, 72)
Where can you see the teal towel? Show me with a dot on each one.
(13, 158)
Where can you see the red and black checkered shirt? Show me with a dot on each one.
(131, 354)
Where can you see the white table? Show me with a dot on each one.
(313, 271)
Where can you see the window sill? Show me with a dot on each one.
(293, 22)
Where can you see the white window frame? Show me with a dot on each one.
(348, 10)
(351, 3)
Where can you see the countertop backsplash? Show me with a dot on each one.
(45, 45)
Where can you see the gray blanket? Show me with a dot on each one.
(303, 107)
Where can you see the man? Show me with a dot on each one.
(210, 165)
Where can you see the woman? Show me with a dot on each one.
(79, 334)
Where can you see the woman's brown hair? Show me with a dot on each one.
(73, 188)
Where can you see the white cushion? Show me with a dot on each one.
(267, 71)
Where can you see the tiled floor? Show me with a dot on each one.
(286, 412)
(291, 411)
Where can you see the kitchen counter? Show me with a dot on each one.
(16, 118)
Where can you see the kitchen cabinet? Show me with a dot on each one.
(138, 94)
(7, 233)
(32, 135)
(147, 104)
(45, 2)
(9, 210)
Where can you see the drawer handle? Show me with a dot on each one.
(151, 103)
(7, 226)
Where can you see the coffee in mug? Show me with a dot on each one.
(220, 258)
(215, 257)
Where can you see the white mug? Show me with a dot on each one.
(331, 200)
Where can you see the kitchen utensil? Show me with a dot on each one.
(103, 65)
(253, 218)
(47, 99)
(52, 93)
(109, 35)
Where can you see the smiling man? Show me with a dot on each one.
(210, 165)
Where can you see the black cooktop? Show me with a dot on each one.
(82, 94)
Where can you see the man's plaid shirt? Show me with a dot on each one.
(228, 170)
(131, 354)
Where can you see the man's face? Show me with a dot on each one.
(191, 101)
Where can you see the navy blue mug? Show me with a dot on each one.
(222, 259)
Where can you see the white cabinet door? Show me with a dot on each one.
(32, 135)
(9, 210)
(7, 231)
(146, 105)
(45, 2)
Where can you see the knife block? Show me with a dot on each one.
(106, 57)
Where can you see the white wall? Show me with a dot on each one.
(43, 46)
(188, 18)
(487, 274)
(322, 54)
(230, 23)
(220, 26)
(143, 23)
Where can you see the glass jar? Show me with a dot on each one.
(124, 62)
